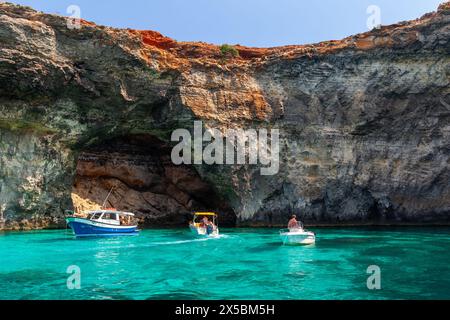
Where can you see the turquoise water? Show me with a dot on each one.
(241, 264)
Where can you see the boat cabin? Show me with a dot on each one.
(111, 217)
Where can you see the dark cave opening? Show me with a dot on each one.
(144, 180)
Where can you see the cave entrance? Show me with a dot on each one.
(144, 180)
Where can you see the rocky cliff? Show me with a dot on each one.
(364, 124)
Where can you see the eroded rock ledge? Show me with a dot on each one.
(364, 123)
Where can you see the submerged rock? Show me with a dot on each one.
(364, 124)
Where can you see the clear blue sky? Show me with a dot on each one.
(259, 23)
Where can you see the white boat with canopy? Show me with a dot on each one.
(204, 224)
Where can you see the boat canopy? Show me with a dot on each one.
(205, 214)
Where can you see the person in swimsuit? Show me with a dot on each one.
(293, 223)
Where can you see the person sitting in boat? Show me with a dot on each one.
(124, 221)
(209, 225)
(209, 228)
(293, 223)
(206, 222)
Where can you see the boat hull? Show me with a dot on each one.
(201, 232)
(87, 228)
(298, 238)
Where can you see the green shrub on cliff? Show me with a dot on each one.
(17, 125)
(228, 51)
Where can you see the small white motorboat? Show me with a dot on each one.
(297, 236)
(200, 226)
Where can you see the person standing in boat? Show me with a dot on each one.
(293, 223)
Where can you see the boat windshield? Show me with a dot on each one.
(96, 215)
(109, 216)
(299, 226)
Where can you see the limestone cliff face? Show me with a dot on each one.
(364, 124)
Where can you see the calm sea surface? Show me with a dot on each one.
(240, 264)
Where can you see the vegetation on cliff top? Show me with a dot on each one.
(227, 50)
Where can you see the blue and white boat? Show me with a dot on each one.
(109, 222)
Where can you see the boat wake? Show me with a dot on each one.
(117, 244)
(222, 236)
(178, 242)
